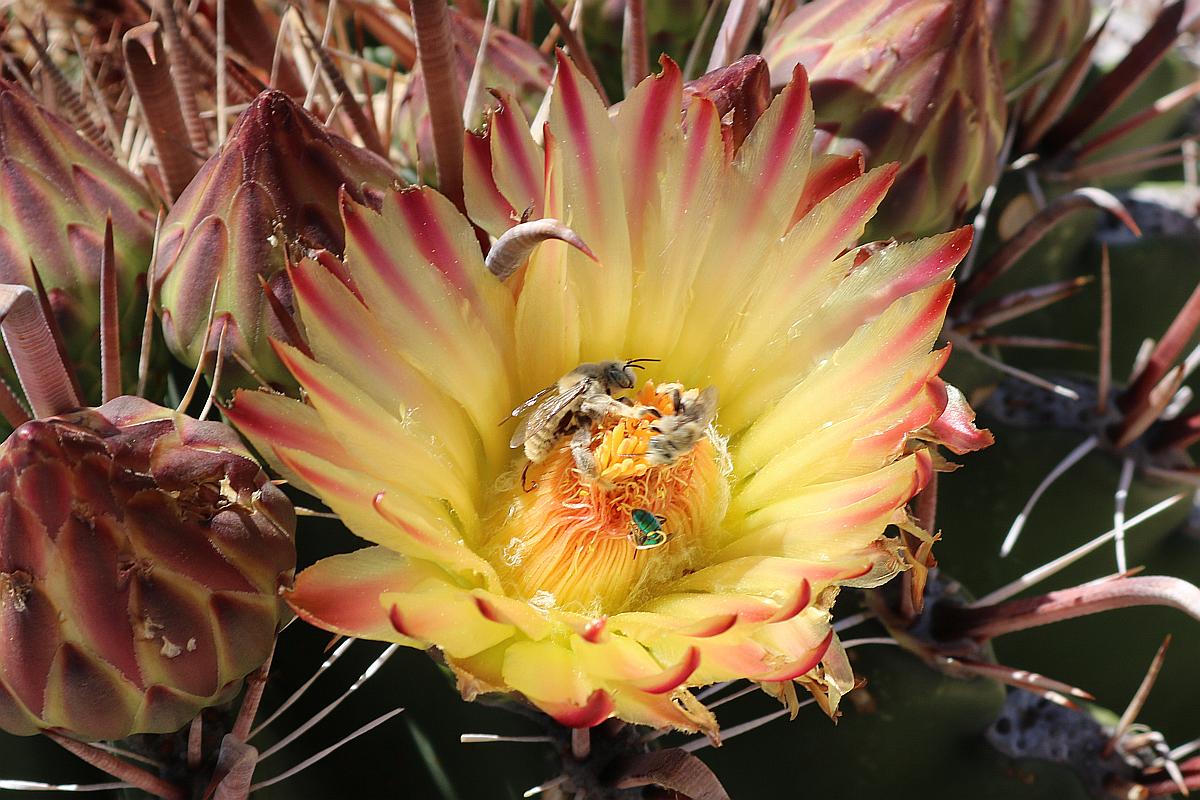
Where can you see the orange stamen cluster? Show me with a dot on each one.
(566, 542)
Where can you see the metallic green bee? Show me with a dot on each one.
(646, 531)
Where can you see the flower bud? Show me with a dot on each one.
(141, 557)
(56, 193)
(272, 190)
(911, 81)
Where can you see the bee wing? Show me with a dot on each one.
(706, 405)
(530, 403)
(546, 413)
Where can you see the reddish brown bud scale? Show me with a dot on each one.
(141, 557)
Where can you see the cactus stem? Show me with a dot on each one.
(186, 400)
(195, 741)
(143, 374)
(1051, 568)
(1023, 240)
(370, 671)
(119, 769)
(34, 353)
(181, 72)
(52, 323)
(256, 682)
(218, 368)
(576, 49)
(313, 759)
(110, 320)
(1068, 461)
(473, 102)
(633, 36)
(363, 126)
(1104, 381)
(435, 49)
(149, 75)
(338, 652)
(1122, 591)
(740, 19)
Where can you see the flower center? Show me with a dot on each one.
(604, 519)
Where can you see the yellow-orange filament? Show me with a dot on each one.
(566, 543)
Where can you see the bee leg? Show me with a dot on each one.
(596, 407)
(524, 486)
(581, 451)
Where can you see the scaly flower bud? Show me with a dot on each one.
(274, 186)
(913, 81)
(141, 556)
(56, 191)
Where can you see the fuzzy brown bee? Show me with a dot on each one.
(678, 433)
(581, 396)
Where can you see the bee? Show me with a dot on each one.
(646, 531)
(574, 401)
(676, 434)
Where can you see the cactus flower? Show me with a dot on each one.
(271, 191)
(58, 190)
(141, 557)
(792, 370)
(910, 81)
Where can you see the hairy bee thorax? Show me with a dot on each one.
(603, 519)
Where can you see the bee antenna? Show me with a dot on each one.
(633, 362)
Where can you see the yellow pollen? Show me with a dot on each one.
(568, 542)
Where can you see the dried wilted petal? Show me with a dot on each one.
(911, 81)
(141, 556)
(272, 190)
(56, 192)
